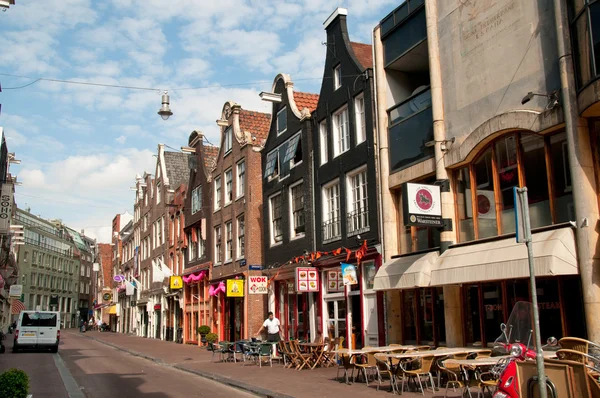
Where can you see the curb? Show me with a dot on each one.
(259, 391)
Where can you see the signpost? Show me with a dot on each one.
(523, 227)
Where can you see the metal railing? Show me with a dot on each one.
(46, 246)
(332, 229)
(357, 221)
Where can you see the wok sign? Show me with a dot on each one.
(257, 285)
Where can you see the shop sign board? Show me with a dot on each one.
(235, 288)
(257, 285)
(307, 279)
(422, 205)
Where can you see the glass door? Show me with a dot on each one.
(336, 319)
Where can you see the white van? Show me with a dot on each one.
(37, 329)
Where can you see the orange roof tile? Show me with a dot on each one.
(306, 100)
(363, 53)
(209, 155)
(256, 123)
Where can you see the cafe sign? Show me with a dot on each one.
(257, 285)
(307, 279)
(422, 205)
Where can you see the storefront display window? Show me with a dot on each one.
(370, 271)
(463, 203)
(423, 319)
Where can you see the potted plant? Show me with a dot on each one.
(212, 338)
(203, 331)
(14, 383)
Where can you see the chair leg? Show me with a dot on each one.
(420, 384)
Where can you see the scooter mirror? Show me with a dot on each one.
(503, 327)
(552, 341)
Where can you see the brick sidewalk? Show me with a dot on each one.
(265, 381)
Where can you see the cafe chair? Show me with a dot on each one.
(383, 368)
(423, 370)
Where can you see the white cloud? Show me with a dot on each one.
(121, 139)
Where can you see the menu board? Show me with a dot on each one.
(307, 279)
(335, 280)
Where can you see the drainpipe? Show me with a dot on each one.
(452, 298)
(582, 176)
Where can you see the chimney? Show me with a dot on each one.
(338, 13)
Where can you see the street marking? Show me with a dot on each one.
(70, 384)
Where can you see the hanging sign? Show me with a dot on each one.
(422, 205)
(235, 288)
(15, 291)
(349, 274)
(119, 278)
(106, 296)
(6, 203)
(176, 282)
(307, 279)
(257, 285)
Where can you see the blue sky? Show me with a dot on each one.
(81, 146)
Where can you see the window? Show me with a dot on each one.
(331, 211)
(337, 77)
(297, 201)
(341, 135)
(275, 210)
(217, 193)
(32, 279)
(359, 114)
(228, 186)
(197, 199)
(241, 177)
(358, 214)
(323, 141)
(161, 222)
(145, 198)
(282, 121)
(218, 254)
(228, 138)
(272, 166)
(229, 243)
(158, 193)
(241, 251)
(293, 153)
(87, 289)
(201, 242)
(193, 247)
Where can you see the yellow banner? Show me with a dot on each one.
(176, 282)
(235, 288)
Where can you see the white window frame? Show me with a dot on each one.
(337, 77)
(240, 182)
(341, 133)
(228, 241)
(357, 198)
(196, 199)
(228, 140)
(360, 123)
(218, 243)
(218, 188)
(284, 111)
(323, 142)
(228, 186)
(327, 214)
(271, 220)
(201, 242)
(292, 219)
(241, 237)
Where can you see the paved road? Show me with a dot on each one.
(85, 368)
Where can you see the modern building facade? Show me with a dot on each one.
(198, 229)
(288, 204)
(84, 252)
(237, 223)
(472, 102)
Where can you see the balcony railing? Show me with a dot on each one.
(403, 29)
(31, 223)
(357, 221)
(411, 126)
(332, 229)
(46, 246)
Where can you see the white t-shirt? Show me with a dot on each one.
(272, 325)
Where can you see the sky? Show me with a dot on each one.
(81, 146)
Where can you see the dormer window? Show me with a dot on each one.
(282, 121)
(337, 77)
(228, 139)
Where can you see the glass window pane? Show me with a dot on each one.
(473, 332)
(464, 205)
(563, 203)
(549, 305)
(506, 158)
(534, 164)
(580, 34)
(426, 317)
(486, 206)
(440, 320)
(493, 311)
(409, 321)
(595, 24)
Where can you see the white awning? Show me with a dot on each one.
(554, 254)
(405, 272)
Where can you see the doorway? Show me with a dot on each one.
(355, 319)
(371, 320)
(336, 319)
(234, 318)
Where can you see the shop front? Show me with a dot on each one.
(196, 310)
(228, 300)
(174, 311)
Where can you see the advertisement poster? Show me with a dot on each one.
(235, 288)
(307, 279)
(335, 280)
(257, 285)
(349, 274)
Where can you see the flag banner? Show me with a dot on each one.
(129, 288)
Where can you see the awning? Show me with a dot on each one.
(112, 310)
(406, 272)
(554, 254)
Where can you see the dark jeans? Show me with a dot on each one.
(273, 338)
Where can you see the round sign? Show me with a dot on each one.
(483, 205)
(106, 296)
(424, 199)
(119, 278)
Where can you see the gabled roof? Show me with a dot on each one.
(209, 155)
(306, 100)
(364, 54)
(178, 172)
(255, 123)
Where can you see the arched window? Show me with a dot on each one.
(484, 188)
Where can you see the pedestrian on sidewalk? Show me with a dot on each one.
(271, 324)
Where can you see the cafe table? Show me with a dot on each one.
(317, 350)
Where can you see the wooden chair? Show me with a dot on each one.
(383, 368)
(329, 355)
(302, 357)
(423, 370)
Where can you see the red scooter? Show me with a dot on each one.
(517, 341)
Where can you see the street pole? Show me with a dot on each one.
(521, 195)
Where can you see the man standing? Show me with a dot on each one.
(272, 326)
